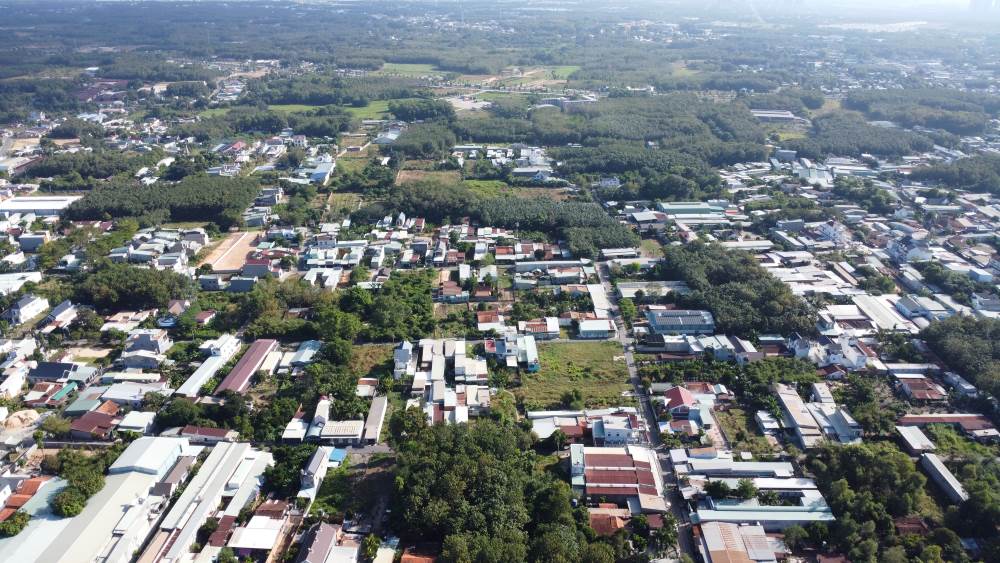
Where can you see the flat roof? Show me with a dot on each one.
(21, 204)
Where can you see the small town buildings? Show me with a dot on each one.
(628, 476)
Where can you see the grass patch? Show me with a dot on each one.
(214, 112)
(408, 69)
(596, 369)
(291, 108)
(564, 72)
(374, 110)
(371, 359)
(444, 176)
(790, 135)
(489, 188)
(952, 444)
(343, 200)
(651, 248)
(739, 429)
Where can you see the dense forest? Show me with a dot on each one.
(585, 227)
(121, 286)
(979, 173)
(846, 134)
(961, 113)
(745, 299)
(483, 494)
(195, 198)
(970, 346)
(332, 90)
(868, 486)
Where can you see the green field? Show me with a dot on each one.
(564, 72)
(489, 188)
(378, 109)
(291, 108)
(590, 367)
(407, 69)
(214, 112)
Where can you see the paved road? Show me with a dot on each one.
(677, 505)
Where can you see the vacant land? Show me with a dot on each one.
(230, 255)
(651, 248)
(739, 429)
(444, 177)
(343, 200)
(596, 369)
(370, 360)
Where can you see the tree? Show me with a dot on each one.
(665, 539)
(558, 439)
(795, 537)
(179, 412)
(226, 555)
(406, 424)
(628, 310)
(369, 548)
(13, 525)
(718, 489)
(746, 489)
(69, 502)
(597, 553)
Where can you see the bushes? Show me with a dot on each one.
(13, 525)
(85, 477)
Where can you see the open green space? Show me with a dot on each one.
(596, 369)
(407, 69)
(291, 108)
(374, 110)
(564, 72)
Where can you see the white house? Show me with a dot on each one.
(26, 308)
